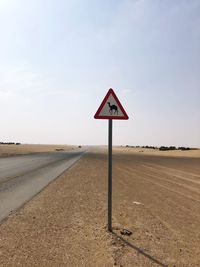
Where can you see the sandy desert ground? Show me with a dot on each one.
(193, 153)
(12, 150)
(156, 197)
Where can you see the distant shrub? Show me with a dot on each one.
(166, 148)
(7, 143)
(184, 148)
(149, 147)
(172, 148)
(163, 148)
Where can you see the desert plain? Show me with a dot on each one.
(156, 196)
(23, 149)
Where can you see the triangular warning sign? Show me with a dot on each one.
(111, 108)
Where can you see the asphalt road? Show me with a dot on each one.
(22, 177)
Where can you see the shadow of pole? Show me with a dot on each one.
(140, 251)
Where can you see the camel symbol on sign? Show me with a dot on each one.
(113, 108)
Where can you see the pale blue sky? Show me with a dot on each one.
(58, 58)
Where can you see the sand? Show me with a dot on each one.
(12, 150)
(157, 198)
(193, 153)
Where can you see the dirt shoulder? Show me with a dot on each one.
(65, 225)
(12, 150)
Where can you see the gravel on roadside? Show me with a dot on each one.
(64, 225)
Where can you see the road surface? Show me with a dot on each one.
(22, 177)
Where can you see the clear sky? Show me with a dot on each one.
(58, 58)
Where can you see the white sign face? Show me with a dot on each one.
(111, 108)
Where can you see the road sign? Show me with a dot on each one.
(111, 108)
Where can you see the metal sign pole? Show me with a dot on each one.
(110, 175)
(110, 109)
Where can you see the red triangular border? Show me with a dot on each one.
(111, 92)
